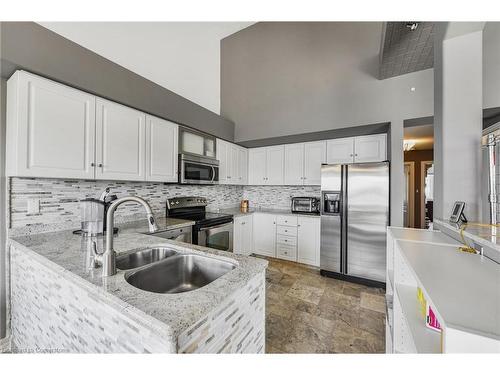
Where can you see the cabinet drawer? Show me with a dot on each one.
(286, 252)
(286, 231)
(286, 220)
(286, 240)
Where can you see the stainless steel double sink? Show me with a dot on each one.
(163, 270)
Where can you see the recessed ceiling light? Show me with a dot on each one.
(412, 89)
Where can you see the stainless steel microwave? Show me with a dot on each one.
(198, 170)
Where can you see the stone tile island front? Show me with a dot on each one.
(60, 303)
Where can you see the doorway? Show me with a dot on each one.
(418, 149)
(409, 198)
(427, 193)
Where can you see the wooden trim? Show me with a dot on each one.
(422, 191)
(411, 194)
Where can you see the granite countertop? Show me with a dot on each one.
(163, 223)
(70, 255)
(237, 211)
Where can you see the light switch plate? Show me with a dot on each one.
(33, 206)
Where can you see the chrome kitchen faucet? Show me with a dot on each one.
(108, 258)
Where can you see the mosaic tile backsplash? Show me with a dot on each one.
(60, 199)
(278, 196)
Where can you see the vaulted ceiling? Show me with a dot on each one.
(404, 50)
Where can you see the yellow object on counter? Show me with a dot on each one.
(423, 303)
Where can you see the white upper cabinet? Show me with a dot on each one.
(161, 150)
(303, 163)
(243, 165)
(294, 164)
(222, 152)
(121, 135)
(257, 159)
(232, 163)
(275, 163)
(363, 149)
(308, 238)
(314, 156)
(340, 151)
(234, 169)
(50, 129)
(370, 148)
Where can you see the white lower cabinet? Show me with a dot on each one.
(264, 234)
(286, 238)
(290, 237)
(243, 235)
(308, 240)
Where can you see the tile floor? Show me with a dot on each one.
(308, 313)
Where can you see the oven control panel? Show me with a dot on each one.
(181, 202)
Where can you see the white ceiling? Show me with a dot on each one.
(183, 57)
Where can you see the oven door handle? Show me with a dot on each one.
(213, 173)
(215, 227)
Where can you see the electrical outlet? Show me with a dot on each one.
(33, 206)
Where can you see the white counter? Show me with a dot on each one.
(462, 288)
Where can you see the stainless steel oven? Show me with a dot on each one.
(198, 170)
(218, 237)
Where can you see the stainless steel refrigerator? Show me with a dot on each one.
(354, 218)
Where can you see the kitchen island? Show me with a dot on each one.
(59, 302)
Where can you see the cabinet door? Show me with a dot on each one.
(264, 234)
(257, 166)
(238, 236)
(234, 165)
(161, 150)
(50, 129)
(308, 236)
(340, 150)
(275, 165)
(247, 234)
(243, 165)
(314, 156)
(243, 235)
(370, 148)
(222, 156)
(294, 164)
(121, 146)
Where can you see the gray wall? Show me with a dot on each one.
(286, 78)
(29, 46)
(458, 122)
(491, 65)
(3, 87)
